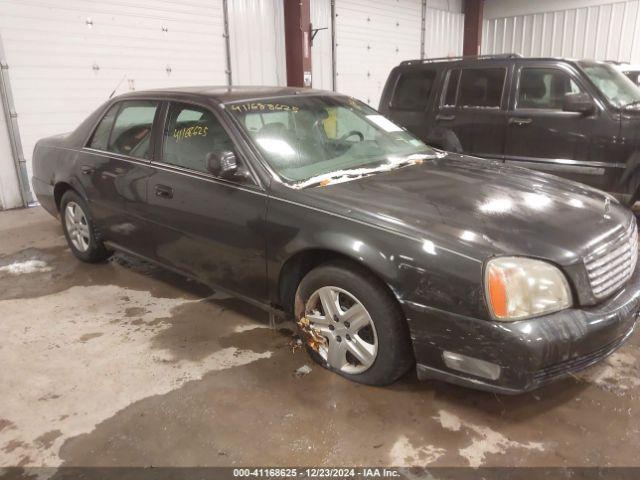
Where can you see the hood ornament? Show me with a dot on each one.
(607, 208)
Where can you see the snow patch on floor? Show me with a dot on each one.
(404, 454)
(485, 440)
(61, 383)
(618, 373)
(25, 267)
(248, 327)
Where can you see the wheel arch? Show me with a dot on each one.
(302, 262)
(59, 189)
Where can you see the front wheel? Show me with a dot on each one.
(352, 325)
(80, 230)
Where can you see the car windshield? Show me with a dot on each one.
(614, 85)
(310, 140)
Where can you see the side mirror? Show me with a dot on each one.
(222, 164)
(579, 103)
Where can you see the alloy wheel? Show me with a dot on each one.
(351, 339)
(77, 226)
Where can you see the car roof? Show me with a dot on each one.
(224, 94)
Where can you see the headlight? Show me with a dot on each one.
(519, 288)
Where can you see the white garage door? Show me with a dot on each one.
(372, 38)
(65, 58)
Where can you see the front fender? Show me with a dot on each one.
(416, 271)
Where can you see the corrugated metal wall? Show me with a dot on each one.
(256, 31)
(9, 187)
(609, 31)
(444, 33)
(371, 39)
(374, 37)
(66, 58)
(321, 61)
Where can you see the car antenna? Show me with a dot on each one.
(118, 85)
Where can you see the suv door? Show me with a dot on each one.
(413, 96)
(470, 116)
(540, 134)
(207, 227)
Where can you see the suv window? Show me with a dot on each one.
(131, 132)
(100, 137)
(544, 88)
(482, 87)
(413, 90)
(190, 134)
(451, 89)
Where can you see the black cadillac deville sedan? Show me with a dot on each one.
(387, 252)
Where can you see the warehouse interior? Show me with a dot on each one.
(126, 364)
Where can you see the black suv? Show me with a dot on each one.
(576, 119)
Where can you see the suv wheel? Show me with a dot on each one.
(352, 325)
(79, 229)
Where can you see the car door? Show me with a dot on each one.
(412, 98)
(471, 117)
(113, 168)
(205, 226)
(541, 135)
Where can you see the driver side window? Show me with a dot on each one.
(544, 88)
(192, 132)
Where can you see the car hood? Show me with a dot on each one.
(479, 208)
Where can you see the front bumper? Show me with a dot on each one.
(531, 352)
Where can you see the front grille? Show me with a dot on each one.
(612, 262)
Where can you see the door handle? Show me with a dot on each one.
(445, 118)
(519, 122)
(87, 170)
(163, 191)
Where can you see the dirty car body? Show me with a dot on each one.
(438, 230)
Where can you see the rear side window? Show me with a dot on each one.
(413, 90)
(131, 133)
(482, 87)
(100, 137)
(634, 77)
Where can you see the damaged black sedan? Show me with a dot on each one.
(386, 252)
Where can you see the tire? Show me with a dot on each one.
(346, 285)
(81, 234)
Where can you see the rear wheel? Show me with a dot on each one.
(79, 229)
(352, 325)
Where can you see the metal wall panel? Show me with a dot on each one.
(608, 31)
(321, 60)
(9, 187)
(444, 33)
(66, 58)
(372, 38)
(256, 30)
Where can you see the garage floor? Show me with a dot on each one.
(124, 364)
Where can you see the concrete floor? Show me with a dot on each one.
(125, 364)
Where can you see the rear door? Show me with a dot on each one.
(540, 135)
(471, 114)
(113, 166)
(208, 227)
(413, 96)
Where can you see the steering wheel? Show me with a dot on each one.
(351, 134)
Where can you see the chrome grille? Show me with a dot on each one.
(612, 262)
